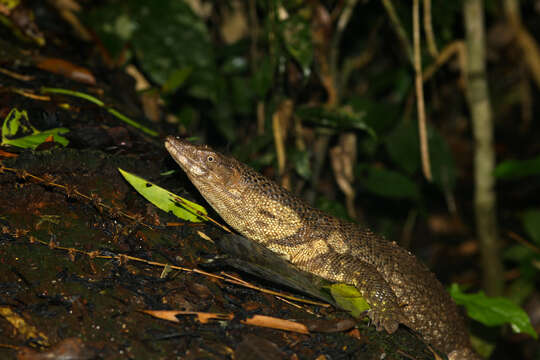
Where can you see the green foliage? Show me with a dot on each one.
(262, 79)
(336, 118)
(333, 207)
(165, 200)
(518, 253)
(402, 146)
(517, 169)
(493, 311)
(18, 131)
(166, 35)
(386, 183)
(404, 149)
(296, 33)
(379, 116)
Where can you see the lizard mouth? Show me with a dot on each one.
(184, 154)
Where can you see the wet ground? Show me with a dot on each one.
(74, 240)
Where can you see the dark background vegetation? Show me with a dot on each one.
(321, 96)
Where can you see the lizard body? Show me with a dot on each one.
(398, 288)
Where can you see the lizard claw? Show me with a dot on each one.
(386, 318)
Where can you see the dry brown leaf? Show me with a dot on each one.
(66, 69)
(343, 159)
(256, 320)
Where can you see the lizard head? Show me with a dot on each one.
(252, 204)
(203, 165)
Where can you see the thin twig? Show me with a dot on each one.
(426, 167)
(428, 29)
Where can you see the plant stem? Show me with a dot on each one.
(484, 157)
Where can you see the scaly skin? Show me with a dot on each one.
(398, 288)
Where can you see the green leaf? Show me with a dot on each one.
(32, 141)
(165, 200)
(493, 311)
(17, 131)
(531, 223)
(386, 182)
(347, 297)
(296, 34)
(336, 118)
(517, 169)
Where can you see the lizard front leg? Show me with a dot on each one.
(385, 311)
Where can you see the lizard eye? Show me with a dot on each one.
(210, 158)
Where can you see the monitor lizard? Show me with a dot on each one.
(397, 286)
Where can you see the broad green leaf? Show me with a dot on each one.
(493, 311)
(18, 131)
(335, 118)
(517, 169)
(386, 182)
(347, 297)
(165, 200)
(531, 223)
